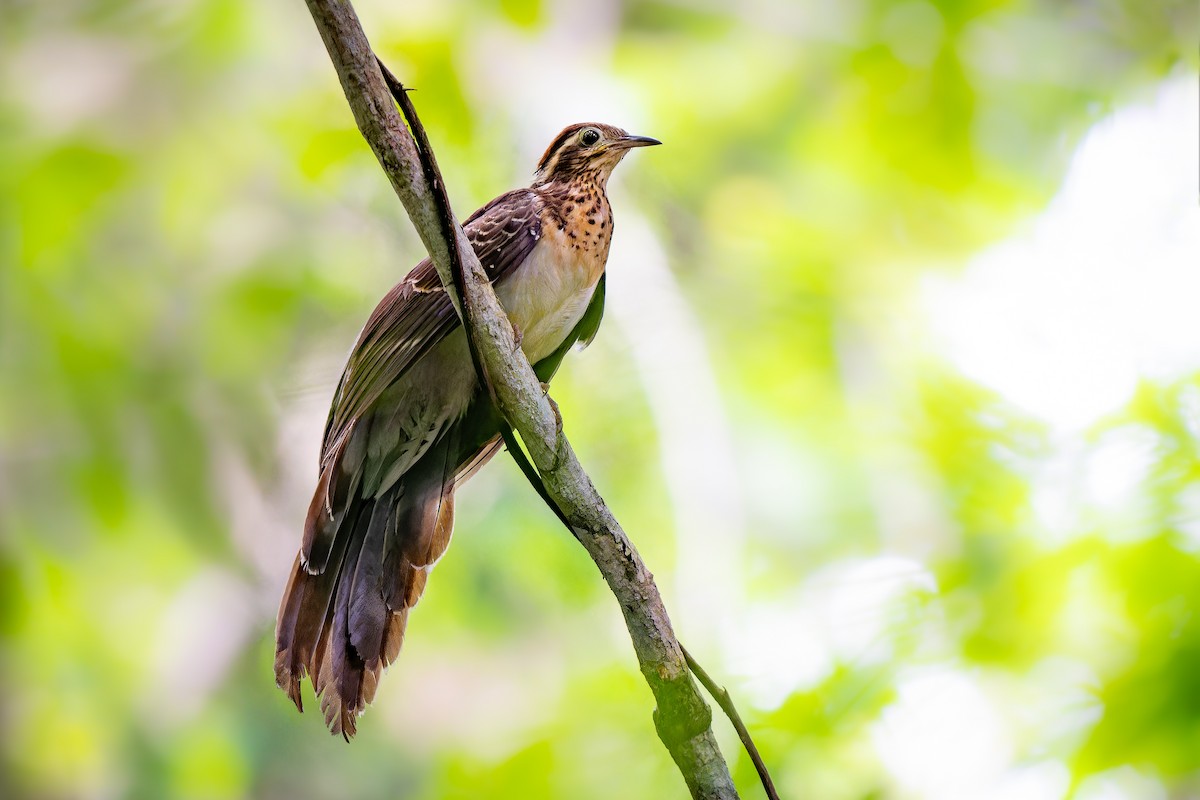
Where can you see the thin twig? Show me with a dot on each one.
(721, 695)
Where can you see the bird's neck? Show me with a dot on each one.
(586, 187)
(589, 180)
(579, 203)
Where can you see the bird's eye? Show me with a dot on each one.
(590, 137)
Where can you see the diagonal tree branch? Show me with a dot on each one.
(682, 719)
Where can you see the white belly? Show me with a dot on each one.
(547, 296)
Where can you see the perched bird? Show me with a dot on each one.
(410, 422)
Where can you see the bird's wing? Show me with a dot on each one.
(343, 612)
(417, 314)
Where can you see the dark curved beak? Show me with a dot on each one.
(639, 141)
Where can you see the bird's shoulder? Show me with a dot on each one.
(502, 232)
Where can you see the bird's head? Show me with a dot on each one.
(587, 150)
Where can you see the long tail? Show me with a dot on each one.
(343, 613)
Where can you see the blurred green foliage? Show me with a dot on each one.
(191, 231)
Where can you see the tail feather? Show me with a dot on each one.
(345, 666)
(289, 669)
(367, 614)
(331, 503)
(393, 637)
(403, 552)
(344, 624)
(318, 525)
(303, 621)
(477, 460)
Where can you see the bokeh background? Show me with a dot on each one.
(897, 394)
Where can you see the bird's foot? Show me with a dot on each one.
(517, 335)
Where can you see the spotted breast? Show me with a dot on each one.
(548, 296)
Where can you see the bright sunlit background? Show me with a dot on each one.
(898, 393)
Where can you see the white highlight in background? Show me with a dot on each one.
(1065, 319)
(944, 739)
(851, 612)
